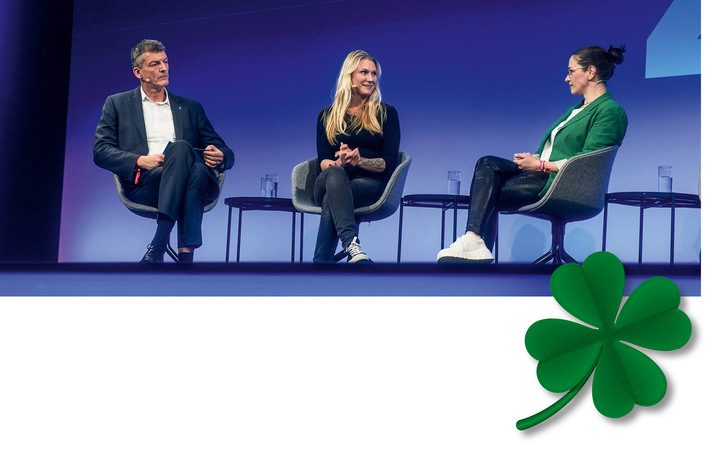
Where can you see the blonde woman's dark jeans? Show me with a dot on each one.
(338, 195)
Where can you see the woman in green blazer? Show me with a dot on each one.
(500, 184)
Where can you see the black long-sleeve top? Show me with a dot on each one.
(371, 145)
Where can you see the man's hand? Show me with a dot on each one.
(150, 161)
(212, 156)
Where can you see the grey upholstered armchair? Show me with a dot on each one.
(150, 212)
(577, 193)
(304, 176)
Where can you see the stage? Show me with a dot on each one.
(285, 279)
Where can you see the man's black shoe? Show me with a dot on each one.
(154, 254)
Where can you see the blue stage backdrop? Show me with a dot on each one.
(468, 79)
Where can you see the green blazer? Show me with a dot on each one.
(603, 123)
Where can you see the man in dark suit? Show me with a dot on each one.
(149, 137)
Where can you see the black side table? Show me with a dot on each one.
(256, 203)
(646, 200)
(442, 202)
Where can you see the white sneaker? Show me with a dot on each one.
(467, 248)
(355, 253)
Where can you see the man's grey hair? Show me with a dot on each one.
(142, 47)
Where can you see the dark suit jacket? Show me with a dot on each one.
(121, 136)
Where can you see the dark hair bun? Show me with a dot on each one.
(616, 54)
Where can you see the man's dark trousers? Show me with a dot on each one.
(177, 189)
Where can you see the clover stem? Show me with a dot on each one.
(550, 411)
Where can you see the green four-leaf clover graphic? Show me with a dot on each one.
(568, 352)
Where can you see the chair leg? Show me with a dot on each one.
(565, 257)
(495, 242)
(172, 253)
(557, 254)
(562, 255)
(549, 256)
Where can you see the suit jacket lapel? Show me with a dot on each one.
(178, 116)
(137, 114)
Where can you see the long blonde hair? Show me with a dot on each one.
(368, 117)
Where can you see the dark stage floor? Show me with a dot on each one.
(285, 279)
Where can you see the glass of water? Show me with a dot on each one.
(453, 182)
(271, 185)
(664, 179)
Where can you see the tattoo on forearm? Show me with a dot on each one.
(373, 162)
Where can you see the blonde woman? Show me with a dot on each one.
(357, 139)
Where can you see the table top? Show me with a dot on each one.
(258, 203)
(646, 199)
(436, 200)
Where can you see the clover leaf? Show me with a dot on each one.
(568, 352)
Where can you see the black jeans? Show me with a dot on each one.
(499, 185)
(338, 196)
(177, 189)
